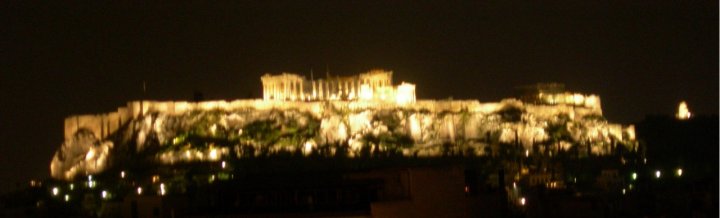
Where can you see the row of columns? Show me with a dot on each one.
(284, 88)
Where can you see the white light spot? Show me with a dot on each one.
(657, 174)
(55, 191)
(162, 188)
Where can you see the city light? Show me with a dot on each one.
(222, 164)
(67, 197)
(679, 172)
(683, 111)
(657, 174)
(522, 201)
(72, 186)
(104, 194)
(162, 188)
(122, 174)
(213, 154)
(55, 191)
(139, 190)
(634, 176)
(623, 191)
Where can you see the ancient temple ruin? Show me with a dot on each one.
(356, 114)
(374, 85)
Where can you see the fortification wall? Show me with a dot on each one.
(105, 124)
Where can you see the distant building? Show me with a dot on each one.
(683, 111)
(374, 85)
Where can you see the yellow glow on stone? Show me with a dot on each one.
(213, 154)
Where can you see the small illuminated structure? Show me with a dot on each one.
(679, 172)
(683, 111)
(657, 174)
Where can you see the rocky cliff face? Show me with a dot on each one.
(175, 132)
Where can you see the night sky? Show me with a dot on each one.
(61, 59)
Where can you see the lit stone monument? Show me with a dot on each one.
(362, 113)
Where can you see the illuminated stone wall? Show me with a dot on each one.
(350, 116)
(429, 125)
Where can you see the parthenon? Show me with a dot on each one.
(374, 85)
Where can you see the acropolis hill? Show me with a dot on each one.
(355, 116)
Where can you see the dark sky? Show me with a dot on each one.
(59, 59)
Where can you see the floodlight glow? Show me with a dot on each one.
(213, 154)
